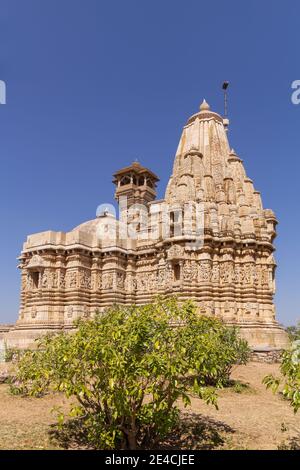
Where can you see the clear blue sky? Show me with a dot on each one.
(92, 85)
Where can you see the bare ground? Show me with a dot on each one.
(248, 418)
(254, 418)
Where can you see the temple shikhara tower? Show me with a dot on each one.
(209, 239)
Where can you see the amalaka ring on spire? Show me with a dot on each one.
(205, 113)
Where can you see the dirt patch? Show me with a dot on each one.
(249, 417)
(25, 422)
(257, 418)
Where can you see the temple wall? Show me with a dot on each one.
(236, 285)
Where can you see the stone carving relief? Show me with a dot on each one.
(246, 274)
(169, 274)
(147, 281)
(96, 281)
(62, 280)
(45, 280)
(227, 224)
(176, 251)
(226, 272)
(209, 189)
(107, 280)
(29, 282)
(215, 274)
(161, 278)
(69, 311)
(237, 274)
(254, 274)
(190, 271)
(85, 279)
(142, 283)
(71, 279)
(208, 307)
(33, 312)
(54, 280)
(86, 311)
(217, 174)
(23, 282)
(204, 271)
(230, 192)
(36, 262)
(130, 283)
(49, 280)
(264, 276)
(120, 280)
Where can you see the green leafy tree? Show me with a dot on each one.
(129, 367)
(290, 369)
(294, 332)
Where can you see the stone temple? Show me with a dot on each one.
(209, 239)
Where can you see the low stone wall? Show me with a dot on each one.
(4, 329)
(268, 356)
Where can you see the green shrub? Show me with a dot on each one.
(240, 387)
(223, 349)
(290, 369)
(128, 367)
(13, 354)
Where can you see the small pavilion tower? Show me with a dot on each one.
(136, 183)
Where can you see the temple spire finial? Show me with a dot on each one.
(204, 106)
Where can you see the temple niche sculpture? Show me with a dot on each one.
(224, 263)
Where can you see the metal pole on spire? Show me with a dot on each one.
(225, 119)
(225, 87)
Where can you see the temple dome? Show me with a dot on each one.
(89, 226)
(94, 226)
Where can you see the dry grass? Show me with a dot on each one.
(25, 422)
(249, 417)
